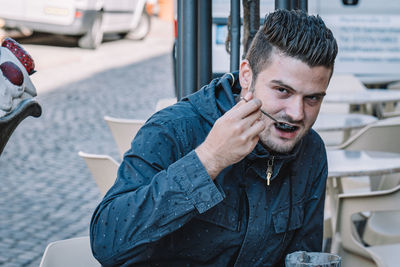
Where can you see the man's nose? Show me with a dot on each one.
(295, 109)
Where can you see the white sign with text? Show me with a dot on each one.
(368, 44)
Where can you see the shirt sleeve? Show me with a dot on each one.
(161, 185)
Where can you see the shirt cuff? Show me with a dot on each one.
(193, 179)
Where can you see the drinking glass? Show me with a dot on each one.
(312, 259)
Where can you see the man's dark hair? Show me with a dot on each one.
(293, 33)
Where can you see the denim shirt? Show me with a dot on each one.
(165, 210)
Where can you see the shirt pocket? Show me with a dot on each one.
(222, 215)
(280, 218)
(278, 240)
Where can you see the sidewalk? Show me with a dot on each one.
(47, 192)
(66, 67)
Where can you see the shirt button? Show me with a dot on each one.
(206, 196)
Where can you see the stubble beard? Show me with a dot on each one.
(268, 141)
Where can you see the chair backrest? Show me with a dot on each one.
(123, 131)
(103, 169)
(345, 83)
(382, 135)
(74, 252)
(350, 204)
(165, 102)
(341, 83)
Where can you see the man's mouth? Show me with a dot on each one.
(285, 127)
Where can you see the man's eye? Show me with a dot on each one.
(283, 90)
(313, 99)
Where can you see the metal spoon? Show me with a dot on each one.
(282, 125)
(262, 111)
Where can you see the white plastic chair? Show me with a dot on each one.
(381, 135)
(74, 252)
(123, 131)
(103, 169)
(345, 83)
(382, 227)
(341, 83)
(348, 243)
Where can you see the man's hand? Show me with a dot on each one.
(233, 136)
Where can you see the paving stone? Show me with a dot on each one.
(12, 264)
(3, 259)
(47, 192)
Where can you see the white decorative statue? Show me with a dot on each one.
(17, 91)
(15, 84)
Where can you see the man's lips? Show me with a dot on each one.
(286, 130)
(286, 127)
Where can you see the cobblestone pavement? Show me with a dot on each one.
(47, 192)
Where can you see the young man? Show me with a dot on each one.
(212, 181)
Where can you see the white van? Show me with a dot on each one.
(88, 19)
(367, 32)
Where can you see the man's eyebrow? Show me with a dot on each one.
(280, 83)
(318, 94)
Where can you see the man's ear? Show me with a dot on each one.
(245, 76)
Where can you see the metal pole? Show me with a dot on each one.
(254, 18)
(188, 69)
(293, 4)
(282, 4)
(235, 35)
(179, 76)
(204, 55)
(303, 5)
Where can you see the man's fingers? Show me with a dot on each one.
(248, 96)
(252, 118)
(244, 109)
(255, 129)
(243, 124)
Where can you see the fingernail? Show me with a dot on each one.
(258, 101)
(248, 96)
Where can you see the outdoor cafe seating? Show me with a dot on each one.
(103, 168)
(354, 214)
(123, 131)
(347, 241)
(347, 229)
(373, 230)
(74, 252)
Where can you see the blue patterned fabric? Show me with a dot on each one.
(164, 210)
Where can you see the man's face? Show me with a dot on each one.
(290, 91)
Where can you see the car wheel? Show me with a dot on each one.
(93, 38)
(142, 29)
